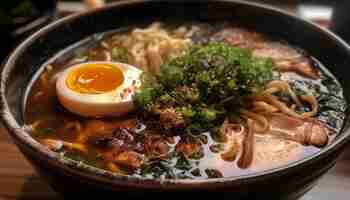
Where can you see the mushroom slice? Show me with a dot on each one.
(248, 145)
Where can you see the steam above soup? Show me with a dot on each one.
(207, 101)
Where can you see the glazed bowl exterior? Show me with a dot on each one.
(74, 179)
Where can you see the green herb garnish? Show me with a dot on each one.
(204, 86)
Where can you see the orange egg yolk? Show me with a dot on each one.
(95, 78)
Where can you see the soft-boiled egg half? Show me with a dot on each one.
(98, 89)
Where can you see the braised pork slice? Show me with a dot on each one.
(272, 152)
(285, 57)
(240, 37)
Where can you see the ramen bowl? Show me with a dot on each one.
(74, 179)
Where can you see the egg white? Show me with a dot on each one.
(112, 103)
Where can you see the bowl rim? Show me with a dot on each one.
(89, 172)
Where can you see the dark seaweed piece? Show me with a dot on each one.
(213, 173)
(196, 172)
(203, 139)
(216, 148)
(183, 163)
(331, 84)
(183, 175)
(101, 142)
(331, 110)
(157, 169)
(331, 103)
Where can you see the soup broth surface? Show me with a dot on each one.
(130, 145)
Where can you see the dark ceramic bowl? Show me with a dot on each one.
(75, 179)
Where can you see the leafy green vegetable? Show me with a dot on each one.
(253, 76)
(146, 97)
(157, 169)
(204, 86)
(172, 76)
(151, 90)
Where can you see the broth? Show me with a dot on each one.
(129, 144)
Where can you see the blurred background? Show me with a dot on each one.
(19, 18)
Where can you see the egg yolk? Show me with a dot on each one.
(95, 78)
